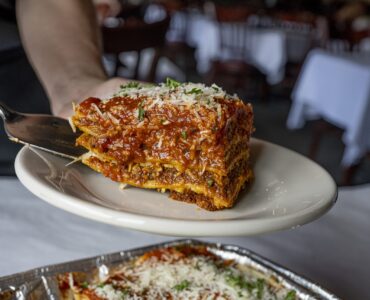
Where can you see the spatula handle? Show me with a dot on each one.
(6, 113)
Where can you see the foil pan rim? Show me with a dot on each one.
(298, 282)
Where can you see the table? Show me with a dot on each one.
(333, 251)
(266, 47)
(335, 87)
(269, 48)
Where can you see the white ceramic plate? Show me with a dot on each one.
(289, 190)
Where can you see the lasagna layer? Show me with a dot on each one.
(213, 193)
(183, 272)
(189, 139)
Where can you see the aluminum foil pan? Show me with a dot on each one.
(41, 283)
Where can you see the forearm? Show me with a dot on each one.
(62, 41)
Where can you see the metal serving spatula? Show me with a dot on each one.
(44, 132)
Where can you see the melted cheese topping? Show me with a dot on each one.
(193, 277)
(186, 94)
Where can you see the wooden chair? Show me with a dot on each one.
(236, 73)
(356, 37)
(298, 17)
(135, 35)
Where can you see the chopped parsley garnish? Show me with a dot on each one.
(260, 287)
(124, 293)
(171, 83)
(215, 87)
(233, 280)
(250, 286)
(101, 285)
(141, 112)
(195, 91)
(241, 283)
(184, 135)
(130, 85)
(84, 285)
(290, 295)
(182, 285)
(210, 182)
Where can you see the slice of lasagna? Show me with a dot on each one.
(185, 272)
(190, 139)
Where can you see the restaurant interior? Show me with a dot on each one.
(304, 65)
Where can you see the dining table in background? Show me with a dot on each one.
(332, 251)
(268, 48)
(336, 88)
(270, 44)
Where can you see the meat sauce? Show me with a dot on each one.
(166, 133)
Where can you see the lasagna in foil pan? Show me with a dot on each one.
(182, 269)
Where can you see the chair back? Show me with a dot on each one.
(233, 30)
(232, 14)
(299, 18)
(304, 30)
(131, 11)
(357, 37)
(134, 35)
(134, 32)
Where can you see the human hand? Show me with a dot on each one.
(100, 89)
(69, 65)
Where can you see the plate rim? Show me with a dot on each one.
(168, 226)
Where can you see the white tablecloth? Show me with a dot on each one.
(333, 251)
(266, 47)
(335, 87)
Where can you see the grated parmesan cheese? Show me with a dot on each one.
(72, 124)
(112, 118)
(122, 186)
(98, 110)
(84, 156)
(194, 277)
(184, 94)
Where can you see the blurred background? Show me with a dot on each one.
(303, 64)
